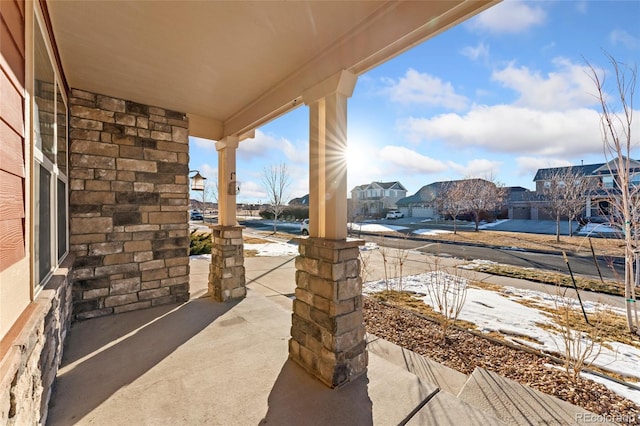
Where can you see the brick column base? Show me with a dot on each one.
(327, 331)
(226, 271)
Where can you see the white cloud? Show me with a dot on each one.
(568, 87)
(509, 129)
(480, 168)
(266, 145)
(408, 161)
(251, 190)
(422, 88)
(581, 6)
(510, 16)
(622, 37)
(528, 166)
(474, 53)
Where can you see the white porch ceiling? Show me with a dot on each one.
(234, 65)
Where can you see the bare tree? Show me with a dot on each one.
(564, 195)
(276, 181)
(481, 195)
(452, 201)
(616, 125)
(210, 192)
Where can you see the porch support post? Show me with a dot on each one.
(226, 271)
(587, 208)
(327, 331)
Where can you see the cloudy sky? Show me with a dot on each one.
(499, 96)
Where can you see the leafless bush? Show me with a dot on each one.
(447, 292)
(384, 252)
(365, 259)
(582, 343)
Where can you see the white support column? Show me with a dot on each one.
(587, 211)
(227, 180)
(327, 162)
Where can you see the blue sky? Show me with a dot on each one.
(499, 96)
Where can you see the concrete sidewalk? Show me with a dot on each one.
(208, 363)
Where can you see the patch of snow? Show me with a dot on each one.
(625, 391)
(376, 227)
(273, 249)
(494, 311)
(476, 263)
(368, 246)
(200, 257)
(492, 224)
(598, 228)
(431, 232)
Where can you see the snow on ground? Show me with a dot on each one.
(492, 224)
(598, 228)
(273, 249)
(500, 311)
(373, 227)
(431, 232)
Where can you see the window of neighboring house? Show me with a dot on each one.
(50, 169)
(608, 182)
(634, 180)
(547, 185)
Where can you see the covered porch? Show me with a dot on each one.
(307, 53)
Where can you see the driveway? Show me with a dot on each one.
(533, 226)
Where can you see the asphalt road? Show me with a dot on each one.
(580, 265)
(553, 262)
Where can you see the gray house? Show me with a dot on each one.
(376, 197)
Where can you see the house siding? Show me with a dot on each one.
(129, 205)
(12, 167)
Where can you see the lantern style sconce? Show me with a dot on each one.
(197, 181)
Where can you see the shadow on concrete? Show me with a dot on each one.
(255, 279)
(296, 398)
(146, 337)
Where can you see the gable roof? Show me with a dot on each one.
(430, 192)
(381, 185)
(583, 170)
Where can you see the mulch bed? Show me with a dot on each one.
(464, 352)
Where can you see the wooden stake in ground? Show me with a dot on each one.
(566, 260)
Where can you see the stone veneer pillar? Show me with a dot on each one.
(226, 271)
(327, 330)
(129, 197)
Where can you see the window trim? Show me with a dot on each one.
(35, 22)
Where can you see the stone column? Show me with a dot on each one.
(327, 331)
(226, 271)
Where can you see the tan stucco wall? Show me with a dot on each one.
(15, 293)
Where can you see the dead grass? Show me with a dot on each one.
(602, 246)
(411, 302)
(254, 240)
(555, 278)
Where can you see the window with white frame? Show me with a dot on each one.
(50, 167)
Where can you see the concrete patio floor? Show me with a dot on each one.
(208, 363)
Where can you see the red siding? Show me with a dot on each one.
(12, 178)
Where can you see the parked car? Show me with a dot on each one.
(394, 214)
(304, 227)
(196, 215)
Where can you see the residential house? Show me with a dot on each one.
(374, 198)
(423, 203)
(601, 186)
(427, 201)
(98, 100)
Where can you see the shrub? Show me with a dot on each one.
(200, 243)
